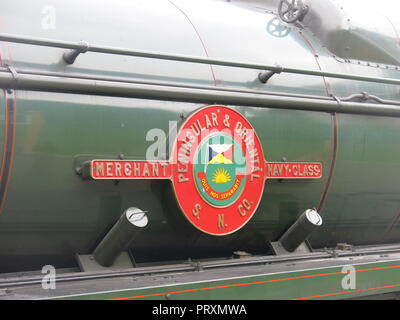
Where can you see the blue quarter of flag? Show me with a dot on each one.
(211, 154)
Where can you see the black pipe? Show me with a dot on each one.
(118, 239)
(300, 230)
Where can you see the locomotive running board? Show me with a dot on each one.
(375, 271)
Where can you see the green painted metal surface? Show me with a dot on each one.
(318, 284)
(62, 215)
(51, 214)
(363, 203)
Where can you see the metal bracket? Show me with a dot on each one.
(14, 74)
(196, 264)
(279, 250)
(339, 102)
(84, 171)
(364, 96)
(87, 263)
(13, 71)
(70, 57)
(266, 75)
(294, 240)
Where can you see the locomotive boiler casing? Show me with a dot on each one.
(49, 213)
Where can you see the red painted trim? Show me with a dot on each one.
(200, 38)
(8, 148)
(314, 52)
(335, 151)
(14, 120)
(252, 283)
(5, 134)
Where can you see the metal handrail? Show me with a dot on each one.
(103, 87)
(187, 58)
(179, 84)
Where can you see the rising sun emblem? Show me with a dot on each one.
(221, 176)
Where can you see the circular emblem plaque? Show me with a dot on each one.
(218, 170)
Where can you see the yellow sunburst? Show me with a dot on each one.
(221, 176)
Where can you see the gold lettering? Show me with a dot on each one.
(205, 184)
(244, 133)
(214, 195)
(190, 137)
(195, 129)
(128, 169)
(246, 204)
(118, 168)
(100, 169)
(278, 170)
(201, 128)
(241, 210)
(253, 154)
(184, 152)
(249, 137)
(270, 166)
(226, 121)
(183, 158)
(208, 122)
(215, 119)
(317, 170)
(238, 127)
(244, 207)
(155, 169)
(146, 172)
(310, 170)
(136, 169)
(250, 143)
(164, 167)
(226, 195)
(301, 173)
(108, 169)
(196, 210)
(255, 169)
(185, 148)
